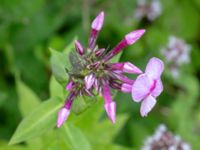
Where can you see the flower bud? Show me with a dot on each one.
(62, 116)
(89, 80)
(127, 88)
(98, 21)
(79, 48)
(133, 36)
(111, 111)
(99, 52)
(130, 68)
(69, 86)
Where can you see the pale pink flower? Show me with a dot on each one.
(148, 86)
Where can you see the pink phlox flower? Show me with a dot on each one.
(96, 75)
(148, 86)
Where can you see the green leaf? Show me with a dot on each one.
(4, 146)
(116, 58)
(75, 137)
(28, 100)
(39, 121)
(109, 146)
(107, 131)
(59, 63)
(92, 123)
(90, 117)
(50, 140)
(56, 90)
(81, 103)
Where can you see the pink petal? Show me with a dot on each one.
(154, 68)
(141, 87)
(147, 104)
(117, 66)
(62, 116)
(89, 80)
(69, 86)
(111, 111)
(99, 52)
(98, 21)
(124, 78)
(79, 47)
(130, 68)
(127, 88)
(129, 39)
(133, 36)
(158, 88)
(106, 93)
(96, 85)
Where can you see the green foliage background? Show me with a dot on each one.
(31, 94)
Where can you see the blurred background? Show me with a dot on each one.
(29, 28)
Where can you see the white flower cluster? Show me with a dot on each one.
(165, 140)
(150, 9)
(176, 54)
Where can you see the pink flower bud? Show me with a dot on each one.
(79, 48)
(127, 88)
(62, 116)
(129, 39)
(111, 111)
(126, 67)
(96, 85)
(89, 80)
(98, 21)
(99, 52)
(124, 79)
(117, 66)
(69, 86)
(132, 37)
(130, 68)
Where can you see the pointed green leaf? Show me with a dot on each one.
(109, 129)
(4, 146)
(59, 63)
(116, 58)
(56, 90)
(28, 100)
(53, 141)
(37, 122)
(74, 137)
